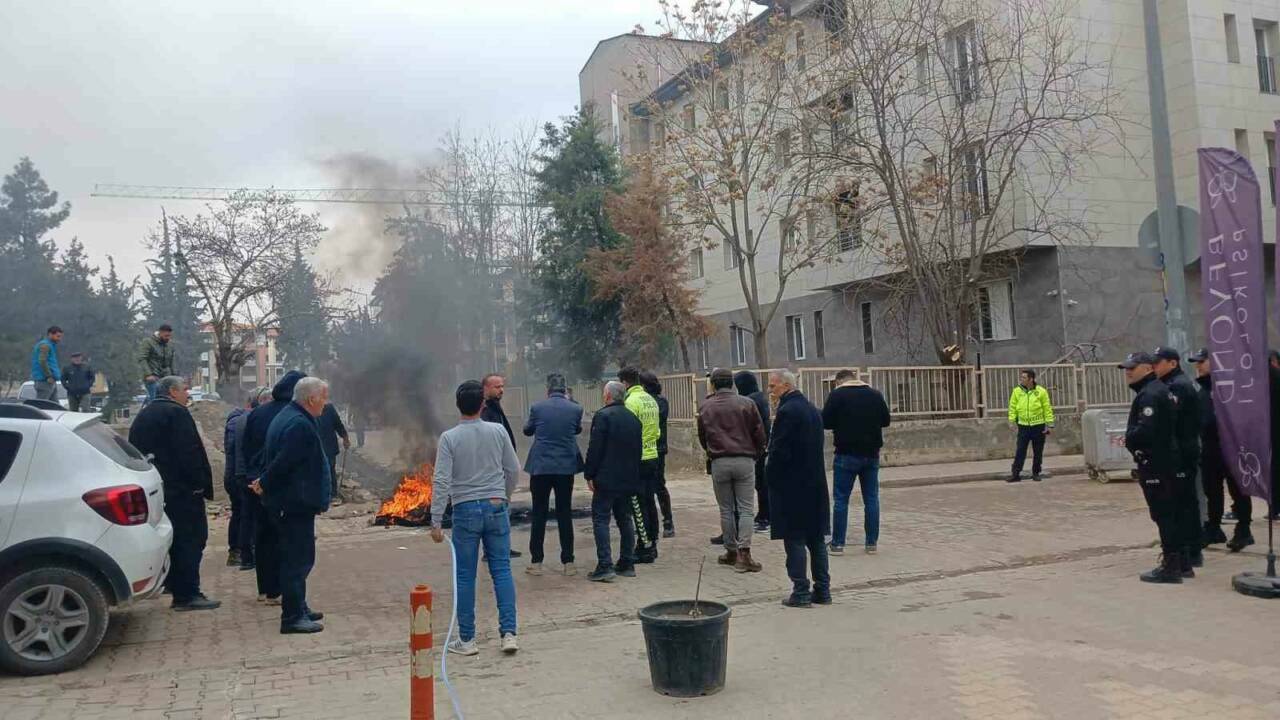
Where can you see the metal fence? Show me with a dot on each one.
(939, 391)
(1103, 385)
(998, 382)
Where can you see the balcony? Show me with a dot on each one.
(1267, 75)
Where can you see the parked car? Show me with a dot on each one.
(82, 529)
(28, 392)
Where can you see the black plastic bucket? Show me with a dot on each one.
(687, 654)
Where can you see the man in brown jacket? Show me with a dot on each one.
(732, 434)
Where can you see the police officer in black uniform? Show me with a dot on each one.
(1152, 440)
(1186, 400)
(1214, 473)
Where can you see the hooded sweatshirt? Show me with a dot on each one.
(255, 428)
(748, 385)
(856, 413)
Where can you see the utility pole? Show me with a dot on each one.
(1172, 260)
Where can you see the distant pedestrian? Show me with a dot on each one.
(295, 484)
(644, 506)
(266, 538)
(232, 483)
(613, 476)
(359, 423)
(1187, 419)
(1214, 472)
(78, 378)
(856, 414)
(653, 386)
(476, 470)
(155, 358)
(554, 424)
(331, 432)
(1151, 437)
(731, 432)
(749, 386)
(45, 372)
(165, 430)
(800, 512)
(495, 386)
(1031, 413)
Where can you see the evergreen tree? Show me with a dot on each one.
(302, 316)
(168, 298)
(577, 174)
(114, 352)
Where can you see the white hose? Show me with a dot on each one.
(453, 623)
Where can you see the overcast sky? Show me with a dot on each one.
(251, 93)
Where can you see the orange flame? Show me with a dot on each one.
(412, 496)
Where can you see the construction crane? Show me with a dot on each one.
(366, 196)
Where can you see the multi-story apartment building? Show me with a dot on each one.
(1100, 293)
(262, 365)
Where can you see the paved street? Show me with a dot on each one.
(986, 601)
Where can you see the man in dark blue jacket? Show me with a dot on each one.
(295, 484)
(748, 385)
(554, 424)
(266, 540)
(331, 430)
(78, 378)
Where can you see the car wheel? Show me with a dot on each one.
(51, 620)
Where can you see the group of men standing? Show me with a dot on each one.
(155, 359)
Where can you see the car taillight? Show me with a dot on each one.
(122, 505)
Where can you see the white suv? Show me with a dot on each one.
(82, 528)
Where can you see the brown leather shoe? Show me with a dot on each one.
(730, 557)
(745, 564)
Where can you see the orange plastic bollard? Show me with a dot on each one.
(422, 691)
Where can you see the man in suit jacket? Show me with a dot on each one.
(554, 424)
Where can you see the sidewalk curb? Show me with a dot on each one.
(1067, 471)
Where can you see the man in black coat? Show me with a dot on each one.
(799, 506)
(613, 476)
(653, 386)
(748, 385)
(78, 379)
(1151, 437)
(495, 386)
(331, 430)
(165, 430)
(266, 539)
(1186, 399)
(1214, 473)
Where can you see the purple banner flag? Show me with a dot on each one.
(1233, 286)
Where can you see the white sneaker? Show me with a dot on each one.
(509, 644)
(458, 646)
(871, 549)
(570, 569)
(533, 569)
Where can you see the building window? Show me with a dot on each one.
(1263, 36)
(660, 132)
(782, 150)
(848, 221)
(696, 269)
(995, 311)
(1270, 140)
(689, 118)
(819, 336)
(973, 193)
(722, 95)
(964, 54)
(1233, 38)
(790, 234)
(732, 254)
(639, 135)
(703, 357)
(922, 69)
(835, 16)
(795, 336)
(738, 344)
(802, 60)
(868, 333)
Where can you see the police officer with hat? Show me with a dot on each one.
(1186, 400)
(1152, 440)
(1213, 468)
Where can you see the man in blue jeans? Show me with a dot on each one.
(476, 470)
(856, 414)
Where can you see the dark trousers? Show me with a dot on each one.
(297, 557)
(603, 506)
(646, 508)
(236, 497)
(333, 475)
(664, 497)
(1162, 498)
(190, 535)
(541, 486)
(267, 552)
(1213, 476)
(250, 512)
(1032, 435)
(762, 493)
(811, 551)
(77, 403)
(1188, 507)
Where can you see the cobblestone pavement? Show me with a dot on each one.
(985, 601)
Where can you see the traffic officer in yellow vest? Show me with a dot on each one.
(1031, 412)
(644, 506)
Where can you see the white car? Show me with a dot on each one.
(28, 392)
(82, 529)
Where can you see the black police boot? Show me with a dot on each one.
(1212, 535)
(1186, 564)
(1194, 559)
(1167, 572)
(1240, 539)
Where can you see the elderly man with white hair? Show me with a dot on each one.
(295, 484)
(613, 476)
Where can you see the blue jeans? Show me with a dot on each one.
(151, 390)
(849, 468)
(476, 522)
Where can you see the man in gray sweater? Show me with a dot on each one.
(476, 470)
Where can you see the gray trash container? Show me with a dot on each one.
(1104, 453)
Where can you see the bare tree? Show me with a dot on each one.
(951, 133)
(235, 256)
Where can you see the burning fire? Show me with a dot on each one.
(412, 499)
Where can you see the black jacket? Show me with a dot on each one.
(613, 455)
(664, 410)
(295, 471)
(1186, 398)
(331, 428)
(255, 428)
(856, 414)
(1210, 442)
(748, 385)
(796, 471)
(1151, 436)
(229, 440)
(77, 379)
(494, 413)
(166, 430)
